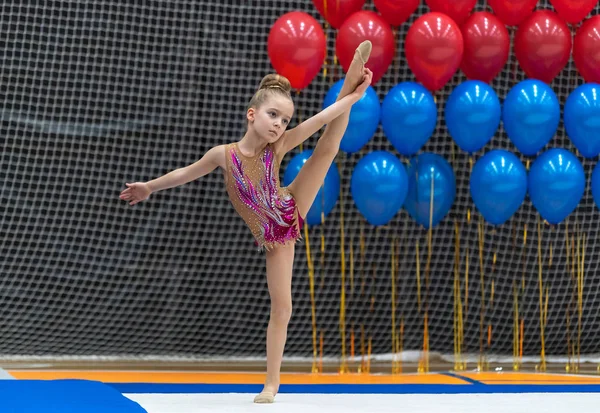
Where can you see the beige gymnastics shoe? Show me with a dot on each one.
(264, 397)
(363, 51)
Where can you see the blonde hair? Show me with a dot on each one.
(271, 84)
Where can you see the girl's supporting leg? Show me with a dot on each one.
(309, 180)
(280, 262)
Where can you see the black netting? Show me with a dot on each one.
(99, 93)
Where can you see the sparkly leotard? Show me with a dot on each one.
(253, 186)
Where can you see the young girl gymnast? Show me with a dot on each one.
(273, 214)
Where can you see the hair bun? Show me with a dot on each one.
(274, 80)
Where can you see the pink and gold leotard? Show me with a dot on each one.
(253, 186)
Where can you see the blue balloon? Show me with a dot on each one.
(328, 194)
(364, 117)
(582, 119)
(531, 114)
(378, 186)
(556, 184)
(408, 117)
(596, 184)
(422, 171)
(498, 185)
(473, 115)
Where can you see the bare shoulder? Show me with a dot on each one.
(218, 154)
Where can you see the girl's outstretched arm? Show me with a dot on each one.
(139, 191)
(306, 129)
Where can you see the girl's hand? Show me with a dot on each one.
(135, 193)
(362, 87)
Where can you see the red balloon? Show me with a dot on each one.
(586, 50)
(434, 49)
(543, 45)
(337, 11)
(457, 10)
(296, 47)
(366, 25)
(573, 11)
(487, 45)
(396, 12)
(512, 12)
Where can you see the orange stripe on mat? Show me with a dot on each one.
(176, 377)
(235, 378)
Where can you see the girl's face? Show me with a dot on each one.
(271, 119)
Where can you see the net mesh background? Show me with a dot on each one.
(96, 94)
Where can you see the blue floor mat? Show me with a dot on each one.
(63, 396)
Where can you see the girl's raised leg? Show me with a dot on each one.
(309, 180)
